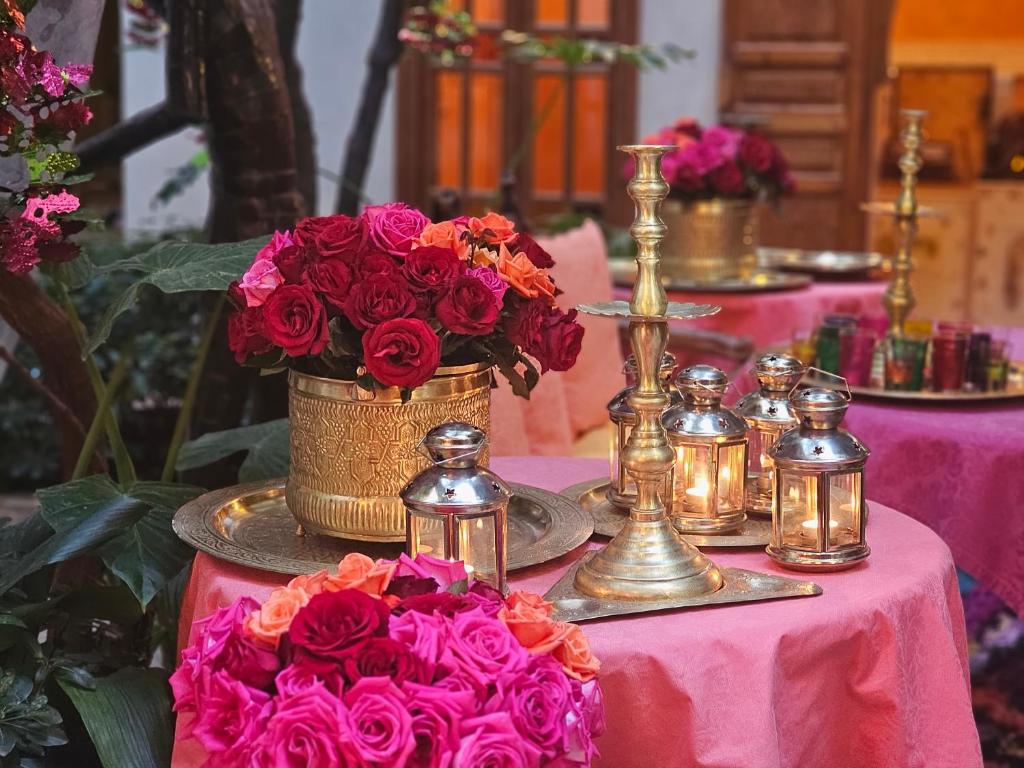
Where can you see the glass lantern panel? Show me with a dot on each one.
(759, 443)
(692, 483)
(426, 535)
(731, 474)
(477, 547)
(844, 509)
(798, 507)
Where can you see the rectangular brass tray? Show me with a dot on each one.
(1012, 392)
(251, 525)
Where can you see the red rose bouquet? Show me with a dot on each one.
(386, 297)
(390, 664)
(720, 161)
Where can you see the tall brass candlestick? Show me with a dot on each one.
(647, 560)
(899, 296)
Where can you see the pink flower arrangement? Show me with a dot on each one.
(720, 161)
(390, 663)
(388, 296)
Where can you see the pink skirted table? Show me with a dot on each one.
(871, 673)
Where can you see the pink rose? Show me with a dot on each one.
(723, 140)
(308, 730)
(583, 723)
(380, 727)
(262, 277)
(231, 716)
(492, 280)
(426, 636)
(394, 227)
(493, 740)
(537, 701)
(437, 717)
(444, 572)
(308, 673)
(485, 647)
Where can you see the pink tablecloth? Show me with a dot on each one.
(872, 674)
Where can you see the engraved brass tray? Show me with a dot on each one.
(609, 519)
(623, 274)
(819, 263)
(251, 525)
(1013, 391)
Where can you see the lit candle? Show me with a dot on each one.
(697, 496)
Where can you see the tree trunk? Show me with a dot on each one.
(289, 14)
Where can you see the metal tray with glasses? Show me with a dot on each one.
(820, 263)
(250, 525)
(1014, 391)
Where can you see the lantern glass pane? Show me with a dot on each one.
(760, 464)
(477, 547)
(731, 474)
(426, 535)
(692, 483)
(844, 509)
(798, 506)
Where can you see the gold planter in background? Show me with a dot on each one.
(709, 240)
(352, 450)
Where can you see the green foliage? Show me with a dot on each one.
(28, 723)
(266, 446)
(576, 51)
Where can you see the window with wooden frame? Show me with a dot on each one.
(462, 127)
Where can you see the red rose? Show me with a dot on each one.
(469, 307)
(377, 298)
(757, 153)
(537, 255)
(236, 295)
(372, 262)
(292, 262)
(441, 603)
(332, 236)
(295, 320)
(333, 624)
(332, 279)
(382, 657)
(727, 179)
(430, 270)
(246, 334)
(524, 321)
(560, 340)
(404, 352)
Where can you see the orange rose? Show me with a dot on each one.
(526, 280)
(444, 234)
(528, 618)
(357, 571)
(575, 656)
(272, 619)
(310, 583)
(483, 257)
(493, 228)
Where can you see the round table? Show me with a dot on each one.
(871, 673)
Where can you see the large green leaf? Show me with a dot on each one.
(144, 552)
(266, 446)
(128, 717)
(174, 267)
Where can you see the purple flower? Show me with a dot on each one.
(538, 700)
(493, 740)
(394, 227)
(492, 280)
(380, 726)
(308, 730)
(231, 716)
(437, 716)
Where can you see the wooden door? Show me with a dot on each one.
(806, 71)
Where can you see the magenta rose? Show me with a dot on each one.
(377, 298)
(292, 262)
(444, 572)
(537, 700)
(561, 338)
(308, 730)
(430, 271)
(460, 680)
(394, 226)
(727, 179)
(380, 727)
(231, 716)
(701, 157)
(583, 723)
(333, 624)
(440, 603)
(487, 597)
(485, 647)
(437, 717)
(306, 673)
(469, 307)
(382, 657)
(247, 334)
(492, 280)
(372, 262)
(426, 637)
(332, 237)
(757, 153)
(332, 279)
(403, 352)
(722, 140)
(294, 319)
(492, 740)
(537, 255)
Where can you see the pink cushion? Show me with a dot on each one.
(581, 270)
(539, 425)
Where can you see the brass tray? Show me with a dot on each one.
(251, 525)
(609, 519)
(1012, 392)
(623, 274)
(819, 263)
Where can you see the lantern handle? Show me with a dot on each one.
(423, 452)
(847, 394)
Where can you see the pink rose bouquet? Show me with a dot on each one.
(387, 297)
(720, 161)
(390, 663)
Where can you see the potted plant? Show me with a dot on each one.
(389, 325)
(717, 176)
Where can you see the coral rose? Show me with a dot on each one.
(294, 319)
(526, 279)
(493, 228)
(272, 619)
(528, 617)
(403, 352)
(357, 571)
(310, 583)
(484, 257)
(575, 656)
(445, 234)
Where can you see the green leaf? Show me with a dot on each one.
(147, 555)
(266, 445)
(174, 267)
(128, 717)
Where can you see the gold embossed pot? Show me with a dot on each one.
(353, 450)
(709, 240)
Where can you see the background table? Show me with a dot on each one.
(872, 673)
